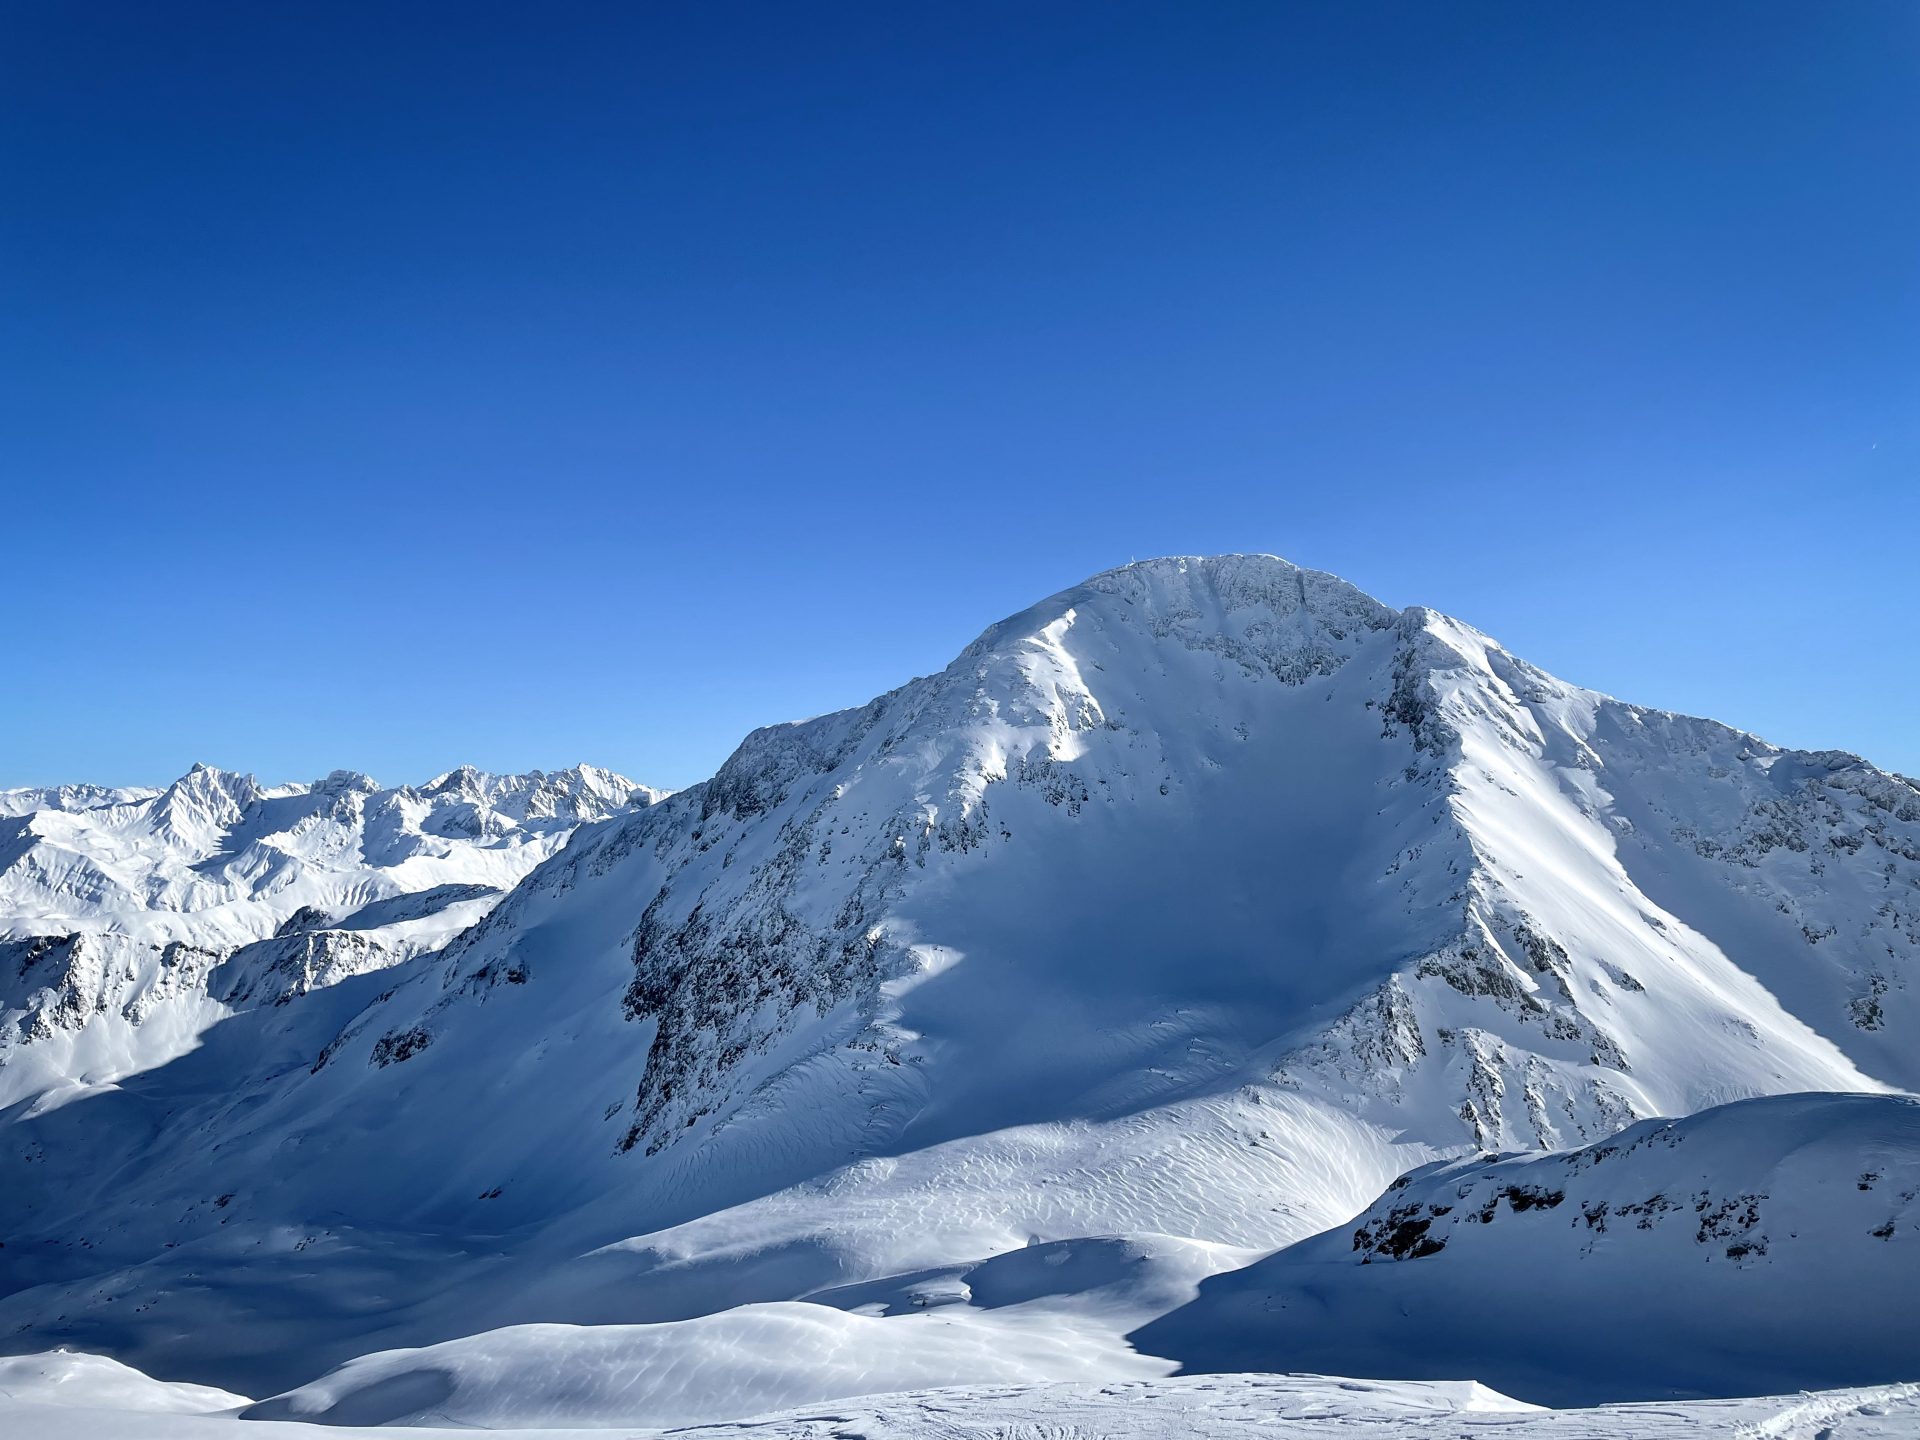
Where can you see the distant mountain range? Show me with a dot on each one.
(130, 920)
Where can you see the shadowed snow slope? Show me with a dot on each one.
(1188, 907)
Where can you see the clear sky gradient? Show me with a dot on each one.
(398, 385)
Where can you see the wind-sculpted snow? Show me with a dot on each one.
(1765, 1245)
(1198, 901)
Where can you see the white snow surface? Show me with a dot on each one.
(967, 1036)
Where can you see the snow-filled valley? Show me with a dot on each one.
(1212, 975)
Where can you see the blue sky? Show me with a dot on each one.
(399, 386)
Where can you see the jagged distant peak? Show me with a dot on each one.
(203, 778)
(340, 782)
(121, 905)
(203, 783)
(471, 781)
(461, 777)
(203, 801)
(241, 856)
(25, 800)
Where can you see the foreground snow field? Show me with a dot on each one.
(79, 1397)
(1045, 1022)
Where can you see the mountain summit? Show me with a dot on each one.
(1166, 926)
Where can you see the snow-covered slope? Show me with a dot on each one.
(1183, 911)
(132, 919)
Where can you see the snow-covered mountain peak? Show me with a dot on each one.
(195, 810)
(1256, 609)
(346, 782)
(1138, 649)
(1363, 808)
(582, 792)
(1364, 844)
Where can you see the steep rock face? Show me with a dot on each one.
(56, 983)
(1765, 1245)
(1200, 899)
